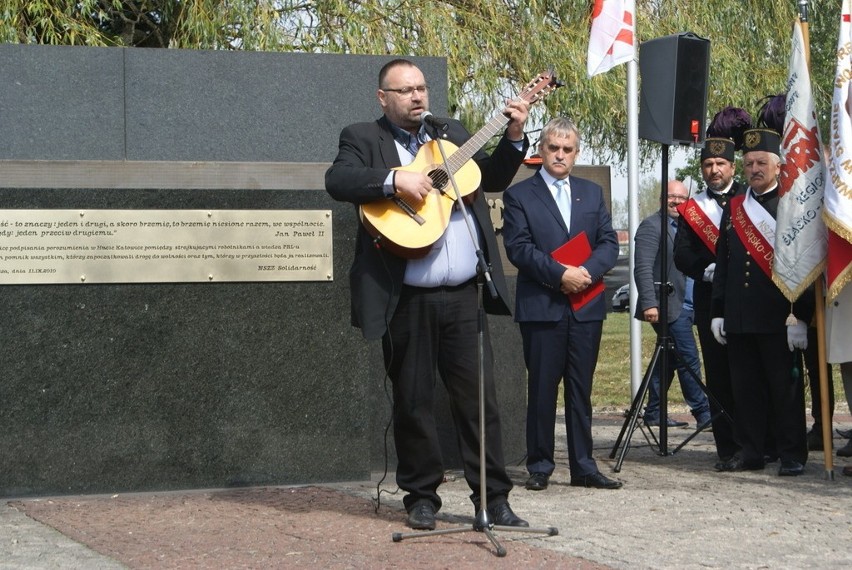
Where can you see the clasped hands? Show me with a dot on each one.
(575, 279)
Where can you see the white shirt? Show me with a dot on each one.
(452, 259)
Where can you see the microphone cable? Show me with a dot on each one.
(385, 381)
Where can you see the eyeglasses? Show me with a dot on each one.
(408, 91)
(678, 198)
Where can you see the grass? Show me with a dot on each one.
(611, 389)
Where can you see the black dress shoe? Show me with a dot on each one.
(790, 468)
(846, 450)
(502, 515)
(737, 463)
(597, 480)
(422, 516)
(844, 433)
(723, 463)
(537, 482)
(726, 464)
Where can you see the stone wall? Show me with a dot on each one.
(137, 387)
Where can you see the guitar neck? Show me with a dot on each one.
(466, 151)
(534, 91)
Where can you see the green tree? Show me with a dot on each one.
(619, 214)
(649, 197)
(692, 169)
(492, 46)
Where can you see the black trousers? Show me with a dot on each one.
(435, 332)
(769, 399)
(565, 351)
(718, 377)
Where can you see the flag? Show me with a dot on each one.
(838, 179)
(611, 38)
(800, 234)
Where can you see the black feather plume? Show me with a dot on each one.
(730, 123)
(772, 112)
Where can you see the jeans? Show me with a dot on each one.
(680, 331)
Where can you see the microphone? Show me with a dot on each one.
(430, 120)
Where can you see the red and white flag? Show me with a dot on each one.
(800, 234)
(611, 41)
(838, 179)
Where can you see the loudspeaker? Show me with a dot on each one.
(673, 96)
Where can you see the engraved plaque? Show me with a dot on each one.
(163, 246)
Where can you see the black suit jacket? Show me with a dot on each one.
(692, 256)
(365, 154)
(744, 295)
(533, 228)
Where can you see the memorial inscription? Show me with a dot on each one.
(151, 246)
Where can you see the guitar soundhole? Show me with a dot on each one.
(439, 179)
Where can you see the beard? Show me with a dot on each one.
(717, 186)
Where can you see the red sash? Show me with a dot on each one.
(761, 250)
(700, 222)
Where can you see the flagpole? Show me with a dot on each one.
(612, 41)
(636, 372)
(825, 397)
(823, 380)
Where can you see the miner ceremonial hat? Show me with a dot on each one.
(762, 139)
(718, 147)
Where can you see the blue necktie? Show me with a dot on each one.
(563, 200)
(412, 143)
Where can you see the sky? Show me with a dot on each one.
(677, 159)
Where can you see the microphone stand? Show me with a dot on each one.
(482, 522)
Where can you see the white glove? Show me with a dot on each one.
(709, 271)
(797, 336)
(717, 327)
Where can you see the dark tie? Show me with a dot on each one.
(414, 143)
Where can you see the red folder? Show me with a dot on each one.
(575, 252)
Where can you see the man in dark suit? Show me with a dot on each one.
(425, 310)
(560, 343)
(760, 327)
(695, 256)
(648, 274)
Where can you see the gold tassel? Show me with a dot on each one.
(791, 318)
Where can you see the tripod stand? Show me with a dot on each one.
(664, 350)
(482, 522)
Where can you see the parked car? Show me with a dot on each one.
(621, 299)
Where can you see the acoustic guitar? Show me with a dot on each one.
(409, 230)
